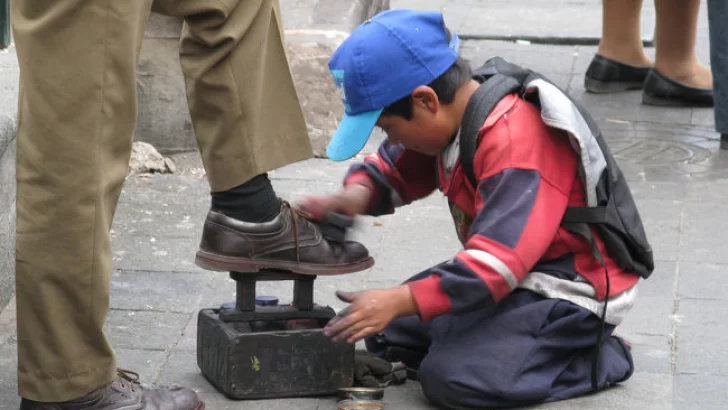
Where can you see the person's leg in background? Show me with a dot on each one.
(248, 121)
(77, 112)
(717, 18)
(622, 34)
(676, 32)
(621, 64)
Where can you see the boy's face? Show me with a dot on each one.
(430, 129)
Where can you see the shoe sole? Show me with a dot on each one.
(210, 261)
(672, 102)
(607, 87)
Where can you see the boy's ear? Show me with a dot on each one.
(425, 97)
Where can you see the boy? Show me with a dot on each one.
(514, 318)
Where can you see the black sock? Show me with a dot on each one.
(253, 201)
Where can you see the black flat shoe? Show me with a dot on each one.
(723, 141)
(605, 75)
(662, 91)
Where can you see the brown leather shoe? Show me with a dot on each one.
(126, 393)
(290, 242)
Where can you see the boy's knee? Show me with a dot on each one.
(441, 385)
(451, 382)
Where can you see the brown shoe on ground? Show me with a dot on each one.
(290, 242)
(126, 393)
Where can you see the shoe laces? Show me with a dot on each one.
(129, 376)
(295, 214)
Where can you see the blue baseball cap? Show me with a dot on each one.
(381, 62)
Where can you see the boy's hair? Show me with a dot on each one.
(445, 86)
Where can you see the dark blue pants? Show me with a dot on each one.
(528, 350)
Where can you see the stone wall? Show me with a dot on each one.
(7, 208)
(164, 119)
(9, 74)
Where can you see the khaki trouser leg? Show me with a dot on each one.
(77, 113)
(241, 95)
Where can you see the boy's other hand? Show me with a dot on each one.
(352, 200)
(369, 313)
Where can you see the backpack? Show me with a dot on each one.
(610, 209)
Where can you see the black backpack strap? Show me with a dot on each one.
(584, 230)
(479, 107)
(585, 214)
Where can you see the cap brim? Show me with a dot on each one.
(352, 134)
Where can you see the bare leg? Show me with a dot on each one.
(675, 36)
(621, 39)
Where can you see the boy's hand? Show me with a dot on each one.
(352, 200)
(369, 313)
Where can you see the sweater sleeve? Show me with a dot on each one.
(396, 176)
(517, 215)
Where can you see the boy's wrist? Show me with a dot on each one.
(405, 302)
(355, 198)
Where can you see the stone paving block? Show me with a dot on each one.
(661, 219)
(294, 191)
(9, 400)
(662, 282)
(9, 377)
(642, 391)
(175, 292)
(221, 289)
(702, 336)
(651, 316)
(708, 193)
(181, 368)
(148, 363)
(130, 329)
(546, 59)
(694, 276)
(403, 262)
(652, 190)
(7, 255)
(9, 82)
(160, 219)
(673, 131)
(324, 290)
(219, 402)
(165, 188)
(455, 12)
(703, 117)
(437, 234)
(155, 253)
(320, 170)
(700, 391)
(574, 20)
(702, 227)
(651, 354)
(188, 338)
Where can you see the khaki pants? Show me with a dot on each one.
(77, 113)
